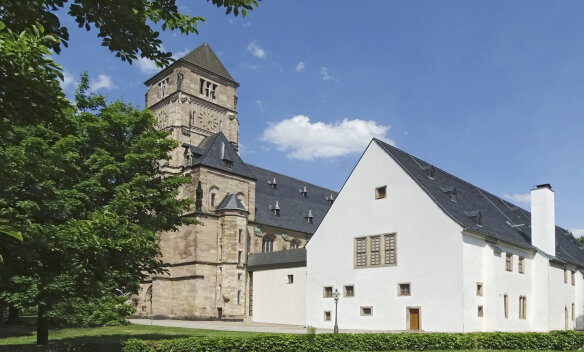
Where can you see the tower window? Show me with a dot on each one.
(290, 279)
(207, 88)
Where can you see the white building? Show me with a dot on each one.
(410, 246)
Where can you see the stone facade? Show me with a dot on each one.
(207, 276)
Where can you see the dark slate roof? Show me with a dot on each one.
(280, 259)
(294, 207)
(230, 202)
(205, 58)
(500, 219)
(209, 153)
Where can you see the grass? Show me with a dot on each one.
(25, 334)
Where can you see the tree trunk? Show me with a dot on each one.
(13, 315)
(42, 326)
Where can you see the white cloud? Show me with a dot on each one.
(302, 139)
(181, 53)
(68, 81)
(146, 66)
(577, 232)
(256, 51)
(326, 76)
(246, 24)
(524, 198)
(260, 105)
(102, 82)
(300, 66)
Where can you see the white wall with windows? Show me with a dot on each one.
(428, 251)
(278, 296)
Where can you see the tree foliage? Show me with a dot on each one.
(89, 199)
(126, 27)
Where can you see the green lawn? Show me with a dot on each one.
(25, 334)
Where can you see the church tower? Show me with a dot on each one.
(194, 98)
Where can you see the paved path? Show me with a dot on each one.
(235, 326)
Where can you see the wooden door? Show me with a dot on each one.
(414, 318)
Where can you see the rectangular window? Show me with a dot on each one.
(366, 311)
(565, 276)
(522, 307)
(480, 311)
(479, 288)
(573, 278)
(521, 265)
(239, 276)
(509, 262)
(201, 86)
(239, 258)
(349, 291)
(403, 289)
(238, 296)
(327, 292)
(375, 255)
(361, 251)
(327, 315)
(390, 255)
(506, 306)
(573, 312)
(239, 236)
(290, 279)
(380, 192)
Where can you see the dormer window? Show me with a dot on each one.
(303, 191)
(275, 209)
(330, 199)
(429, 170)
(451, 192)
(273, 183)
(309, 218)
(475, 216)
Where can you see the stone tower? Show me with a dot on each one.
(194, 98)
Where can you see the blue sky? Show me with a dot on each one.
(490, 91)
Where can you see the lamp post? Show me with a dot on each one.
(336, 296)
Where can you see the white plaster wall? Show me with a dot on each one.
(482, 264)
(538, 307)
(429, 253)
(562, 295)
(275, 300)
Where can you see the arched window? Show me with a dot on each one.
(213, 197)
(294, 244)
(268, 244)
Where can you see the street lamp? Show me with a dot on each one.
(336, 296)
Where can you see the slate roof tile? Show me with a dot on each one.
(500, 219)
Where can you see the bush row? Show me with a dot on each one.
(556, 340)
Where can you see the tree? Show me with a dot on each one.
(124, 26)
(93, 200)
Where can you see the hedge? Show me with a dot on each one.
(555, 340)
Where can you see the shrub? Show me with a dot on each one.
(556, 340)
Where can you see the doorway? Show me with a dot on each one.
(220, 313)
(413, 318)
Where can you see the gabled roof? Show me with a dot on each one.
(294, 207)
(217, 152)
(500, 219)
(206, 59)
(230, 202)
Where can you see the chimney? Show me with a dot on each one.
(543, 219)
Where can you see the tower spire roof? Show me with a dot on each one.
(204, 57)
